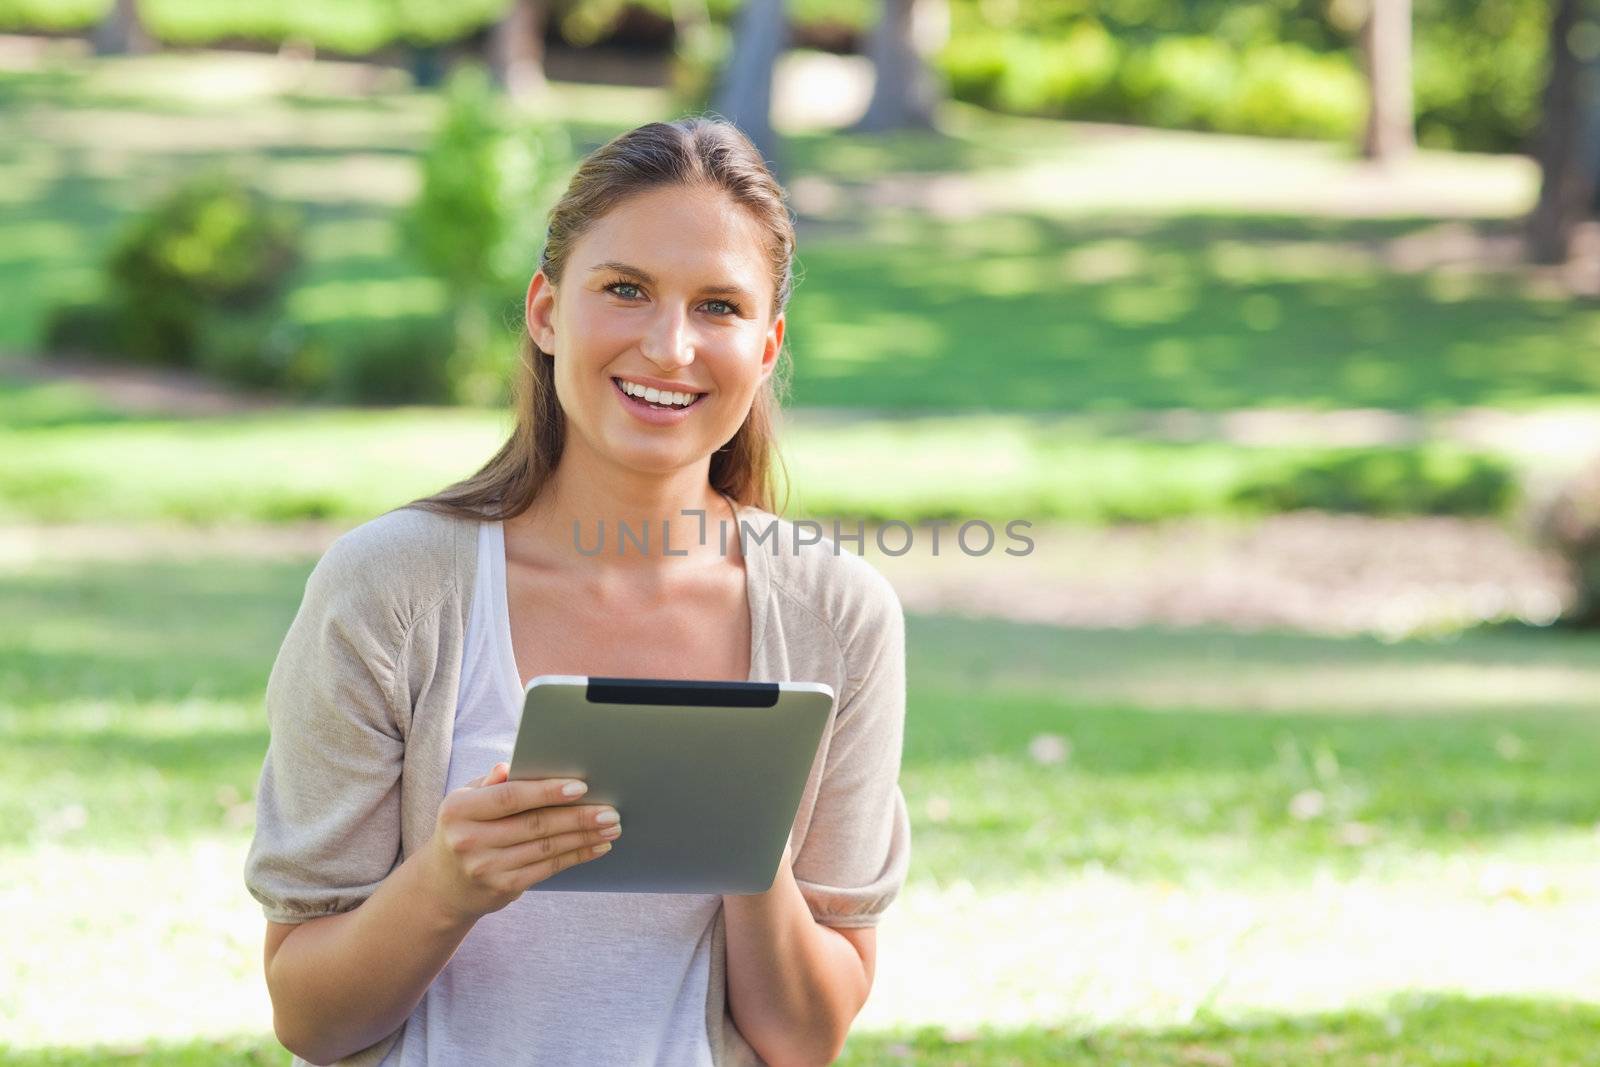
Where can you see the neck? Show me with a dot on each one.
(628, 521)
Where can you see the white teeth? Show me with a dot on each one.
(656, 396)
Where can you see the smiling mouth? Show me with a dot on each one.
(617, 382)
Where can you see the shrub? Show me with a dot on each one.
(1570, 524)
(88, 329)
(212, 245)
(263, 350)
(1290, 91)
(1387, 481)
(973, 65)
(1065, 75)
(1184, 82)
(396, 361)
(479, 219)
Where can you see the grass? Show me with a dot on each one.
(87, 462)
(132, 713)
(1065, 311)
(1101, 820)
(1043, 314)
(1430, 1031)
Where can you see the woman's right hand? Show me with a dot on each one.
(494, 838)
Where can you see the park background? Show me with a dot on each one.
(1278, 319)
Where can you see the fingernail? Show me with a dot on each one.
(573, 789)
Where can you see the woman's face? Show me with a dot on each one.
(670, 289)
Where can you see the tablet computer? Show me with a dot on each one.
(706, 775)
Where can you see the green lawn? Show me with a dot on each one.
(1413, 1032)
(87, 462)
(1109, 809)
(1053, 307)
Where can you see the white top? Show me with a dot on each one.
(555, 978)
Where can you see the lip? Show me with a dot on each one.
(642, 411)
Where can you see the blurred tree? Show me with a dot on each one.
(516, 49)
(906, 92)
(691, 23)
(121, 32)
(1567, 143)
(1386, 59)
(744, 91)
(478, 219)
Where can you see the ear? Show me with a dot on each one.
(539, 308)
(773, 345)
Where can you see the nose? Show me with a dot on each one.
(668, 342)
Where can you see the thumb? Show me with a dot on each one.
(496, 775)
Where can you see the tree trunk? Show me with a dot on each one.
(121, 32)
(516, 49)
(906, 92)
(744, 92)
(1566, 145)
(1386, 56)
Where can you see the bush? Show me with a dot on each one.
(973, 65)
(263, 350)
(1570, 524)
(1180, 82)
(1290, 91)
(1388, 481)
(89, 329)
(213, 245)
(479, 220)
(396, 361)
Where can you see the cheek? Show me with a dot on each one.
(595, 335)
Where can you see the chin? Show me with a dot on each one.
(657, 460)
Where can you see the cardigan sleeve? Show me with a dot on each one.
(327, 826)
(853, 859)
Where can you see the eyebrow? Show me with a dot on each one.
(644, 276)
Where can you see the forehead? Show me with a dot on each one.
(681, 231)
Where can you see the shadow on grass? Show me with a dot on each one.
(1209, 312)
(150, 631)
(1415, 1030)
(1183, 750)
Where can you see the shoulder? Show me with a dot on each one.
(813, 567)
(394, 568)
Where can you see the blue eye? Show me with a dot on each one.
(612, 287)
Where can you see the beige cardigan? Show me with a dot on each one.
(361, 705)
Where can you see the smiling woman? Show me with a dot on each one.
(669, 291)
(392, 856)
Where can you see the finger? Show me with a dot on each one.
(496, 800)
(534, 873)
(528, 853)
(543, 822)
(495, 774)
